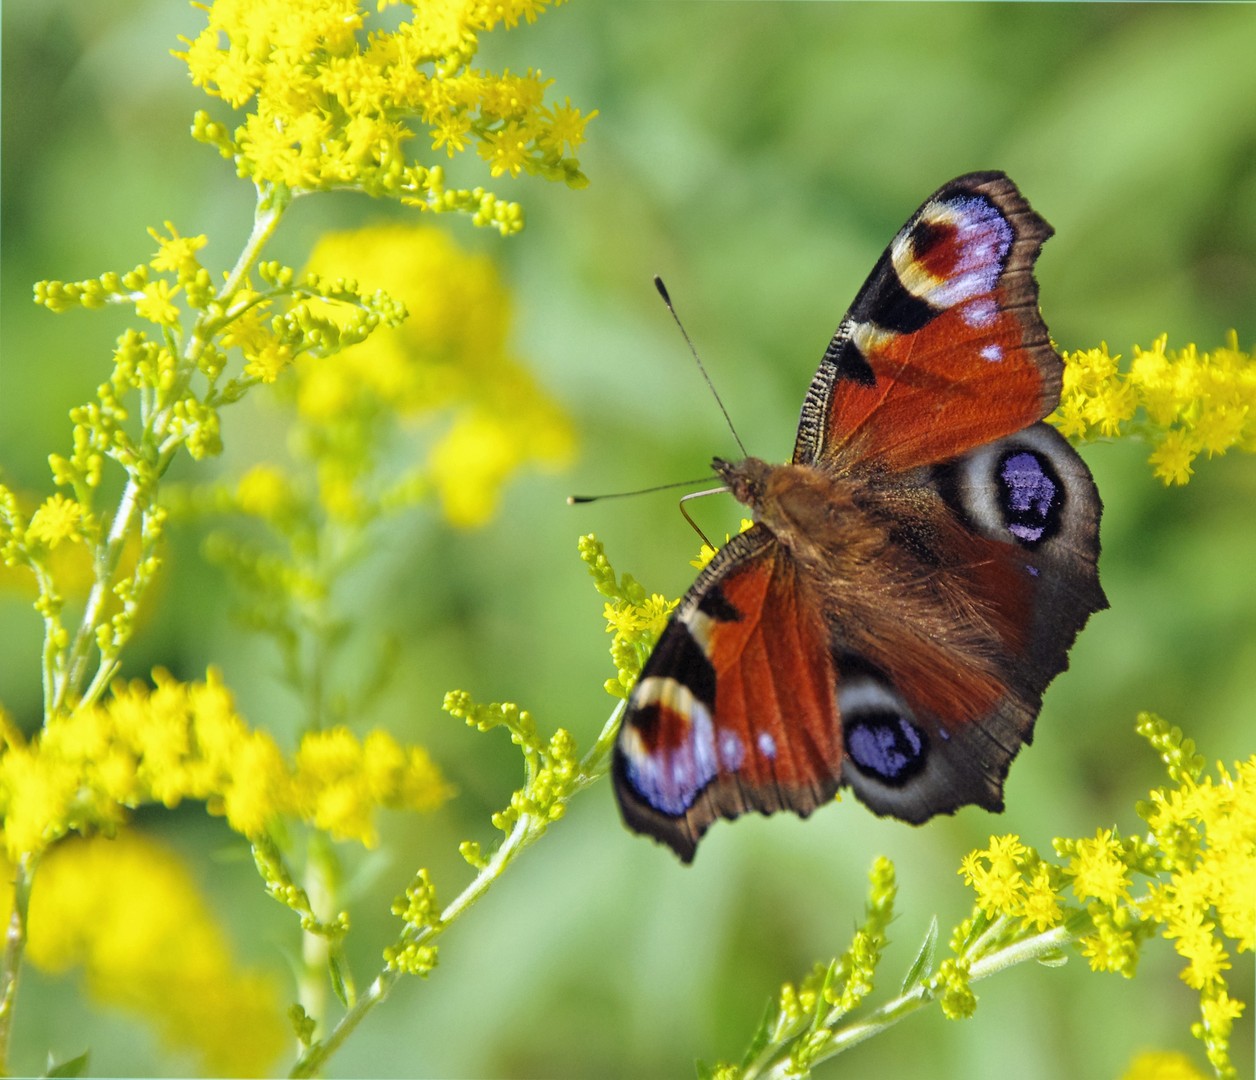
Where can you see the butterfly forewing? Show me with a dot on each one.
(734, 709)
(943, 348)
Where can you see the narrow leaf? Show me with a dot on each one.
(73, 1067)
(762, 1035)
(923, 964)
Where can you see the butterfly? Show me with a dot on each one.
(915, 576)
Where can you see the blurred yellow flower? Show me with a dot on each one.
(447, 369)
(1162, 1065)
(264, 492)
(128, 912)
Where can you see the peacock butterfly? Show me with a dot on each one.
(915, 575)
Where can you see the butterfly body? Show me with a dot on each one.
(916, 574)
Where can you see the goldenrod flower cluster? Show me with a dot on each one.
(333, 96)
(1184, 401)
(334, 105)
(175, 741)
(1199, 858)
(635, 618)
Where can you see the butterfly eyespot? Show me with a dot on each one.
(881, 739)
(1030, 489)
(1033, 496)
(892, 748)
(669, 775)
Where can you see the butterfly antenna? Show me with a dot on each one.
(658, 284)
(573, 500)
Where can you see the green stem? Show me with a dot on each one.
(73, 673)
(107, 558)
(526, 830)
(14, 948)
(885, 1016)
(315, 947)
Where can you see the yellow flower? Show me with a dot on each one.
(1097, 869)
(446, 367)
(1162, 1065)
(155, 303)
(1113, 944)
(1172, 458)
(331, 106)
(998, 876)
(706, 553)
(341, 781)
(128, 912)
(177, 741)
(176, 254)
(469, 465)
(56, 520)
(1191, 402)
(1041, 907)
(267, 362)
(506, 150)
(1209, 831)
(265, 491)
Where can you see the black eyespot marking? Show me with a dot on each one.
(882, 739)
(926, 235)
(884, 301)
(888, 746)
(1032, 498)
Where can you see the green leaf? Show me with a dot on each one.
(923, 963)
(1055, 958)
(762, 1035)
(72, 1067)
(336, 969)
(822, 997)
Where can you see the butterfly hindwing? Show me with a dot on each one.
(734, 709)
(996, 575)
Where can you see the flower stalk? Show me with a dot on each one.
(419, 940)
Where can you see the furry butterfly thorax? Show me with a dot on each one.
(916, 574)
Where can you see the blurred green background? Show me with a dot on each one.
(758, 156)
